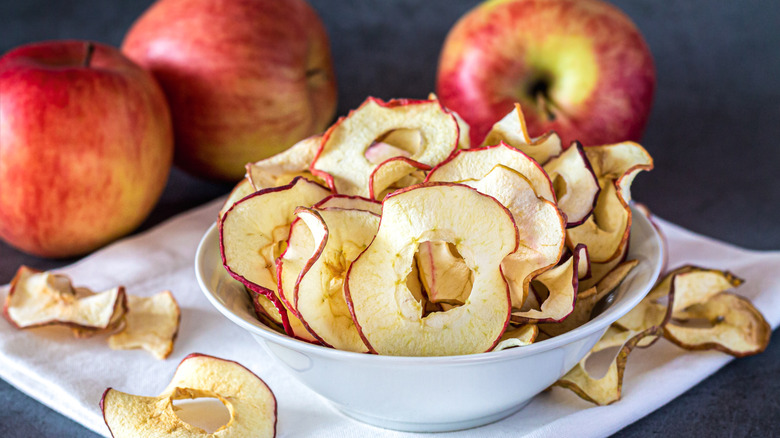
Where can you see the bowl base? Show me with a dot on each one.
(406, 426)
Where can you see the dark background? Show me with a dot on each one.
(713, 133)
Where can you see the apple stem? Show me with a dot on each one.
(544, 104)
(88, 55)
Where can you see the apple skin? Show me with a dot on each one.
(577, 67)
(85, 151)
(245, 79)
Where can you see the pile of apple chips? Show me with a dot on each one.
(390, 234)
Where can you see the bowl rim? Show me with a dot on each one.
(606, 318)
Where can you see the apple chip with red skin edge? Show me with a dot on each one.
(350, 203)
(736, 327)
(513, 131)
(608, 388)
(266, 311)
(540, 225)
(389, 317)
(239, 192)
(249, 401)
(151, 323)
(518, 337)
(313, 270)
(586, 301)
(560, 283)
(341, 160)
(464, 137)
(252, 233)
(575, 183)
(38, 298)
(704, 315)
(395, 173)
(475, 163)
(606, 231)
(283, 167)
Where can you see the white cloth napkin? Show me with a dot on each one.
(70, 375)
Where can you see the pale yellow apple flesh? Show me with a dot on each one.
(249, 401)
(151, 323)
(576, 186)
(42, 298)
(512, 130)
(387, 314)
(342, 161)
(313, 270)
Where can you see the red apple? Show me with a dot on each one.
(578, 67)
(85, 146)
(245, 79)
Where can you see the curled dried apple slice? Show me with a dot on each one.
(540, 225)
(395, 173)
(474, 164)
(240, 191)
(387, 314)
(725, 322)
(253, 234)
(464, 138)
(587, 300)
(341, 160)
(350, 203)
(576, 186)
(151, 323)
(249, 401)
(41, 298)
(560, 289)
(444, 274)
(513, 131)
(519, 336)
(317, 270)
(283, 167)
(606, 231)
(606, 389)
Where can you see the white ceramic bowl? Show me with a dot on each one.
(429, 394)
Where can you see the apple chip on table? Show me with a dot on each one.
(384, 236)
(42, 298)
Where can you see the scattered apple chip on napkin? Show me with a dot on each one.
(41, 298)
(691, 307)
(151, 323)
(250, 402)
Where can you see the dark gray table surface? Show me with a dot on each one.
(713, 134)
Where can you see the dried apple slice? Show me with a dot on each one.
(249, 401)
(560, 285)
(395, 173)
(540, 225)
(388, 316)
(731, 325)
(476, 163)
(338, 236)
(464, 138)
(513, 131)
(350, 203)
(575, 183)
(240, 191)
(606, 231)
(151, 323)
(283, 167)
(444, 274)
(518, 337)
(253, 234)
(607, 389)
(587, 300)
(341, 160)
(41, 298)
